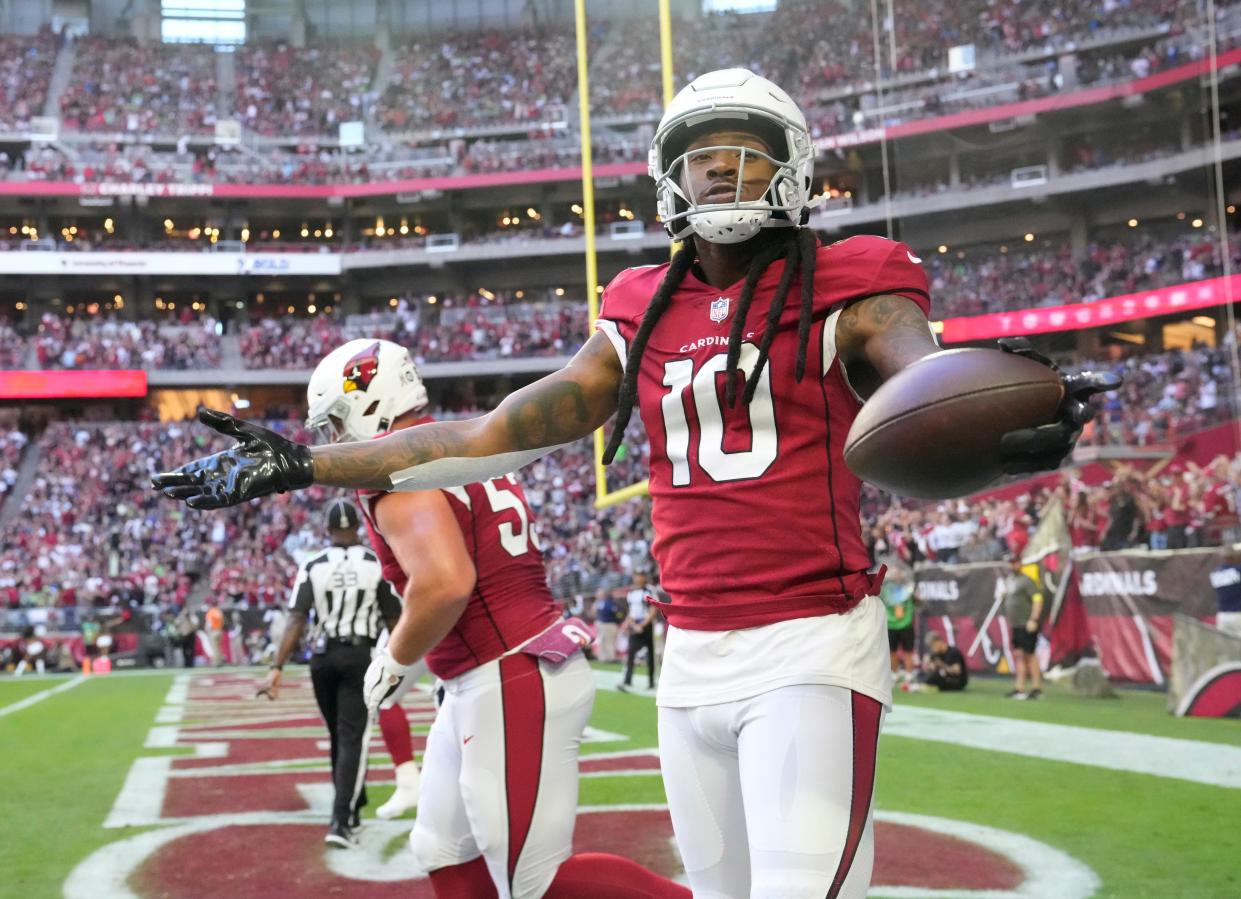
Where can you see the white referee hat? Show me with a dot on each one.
(343, 515)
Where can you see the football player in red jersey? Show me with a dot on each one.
(498, 795)
(775, 667)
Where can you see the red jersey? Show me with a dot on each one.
(756, 515)
(511, 602)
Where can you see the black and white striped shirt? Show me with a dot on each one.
(346, 588)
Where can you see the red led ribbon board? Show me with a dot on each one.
(59, 385)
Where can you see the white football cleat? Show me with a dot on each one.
(405, 798)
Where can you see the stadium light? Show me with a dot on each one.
(1029, 238)
(1133, 223)
(1197, 223)
(276, 234)
(942, 248)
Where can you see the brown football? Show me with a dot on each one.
(933, 430)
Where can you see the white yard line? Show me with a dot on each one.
(39, 697)
(1193, 760)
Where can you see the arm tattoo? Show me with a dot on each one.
(557, 409)
(369, 465)
(548, 417)
(879, 336)
(884, 333)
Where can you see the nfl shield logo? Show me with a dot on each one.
(719, 309)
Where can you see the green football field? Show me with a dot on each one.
(1116, 790)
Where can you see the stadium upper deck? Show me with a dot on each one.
(1053, 144)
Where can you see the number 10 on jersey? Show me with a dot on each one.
(704, 388)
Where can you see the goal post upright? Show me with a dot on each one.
(603, 496)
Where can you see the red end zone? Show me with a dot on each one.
(248, 829)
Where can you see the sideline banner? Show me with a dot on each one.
(1130, 599)
(965, 604)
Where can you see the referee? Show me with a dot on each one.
(349, 596)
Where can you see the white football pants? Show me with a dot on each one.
(771, 796)
(500, 775)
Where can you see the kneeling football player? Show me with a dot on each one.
(498, 799)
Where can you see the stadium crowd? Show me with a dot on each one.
(284, 91)
(843, 54)
(26, 64)
(978, 282)
(463, 80)
(12, 442)
(12, 347)
(108, 342)
(447, 87)
(1183, 505)
(513, 324)
(88, 526)
(445, 330)
(120, 85)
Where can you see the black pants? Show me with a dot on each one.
(948, 682)
(188, 643)
(644, 637)
(337, 678)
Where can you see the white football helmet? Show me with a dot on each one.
(359, 389)
(742, 99)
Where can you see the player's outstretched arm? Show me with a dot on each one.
(557, 409)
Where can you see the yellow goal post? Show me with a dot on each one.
(603, 496)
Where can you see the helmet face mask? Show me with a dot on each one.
(359, 390)
(733, 100)
(734, 220)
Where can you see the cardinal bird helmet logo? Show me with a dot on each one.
(362, 368)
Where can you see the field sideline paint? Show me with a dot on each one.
(39, 697)
(1196, 761)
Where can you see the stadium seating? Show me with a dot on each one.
(12, 442)
(446, 331)
(12, 347)
(283, 90)
(107, 342)
(88, 505)
(972, 282)
(120, 85)
(479, 79)
(26, 63)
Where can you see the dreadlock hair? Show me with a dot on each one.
(799, 249)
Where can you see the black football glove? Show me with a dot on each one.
(1045, 447)
(261, 463)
